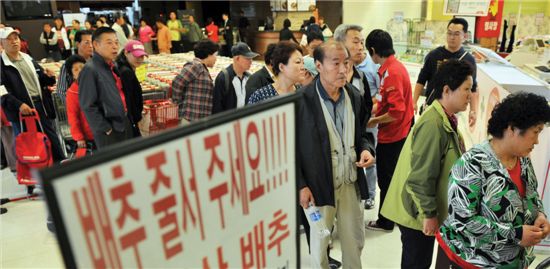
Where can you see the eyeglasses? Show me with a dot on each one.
(454, 34)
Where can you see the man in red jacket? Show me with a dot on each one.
(394, 116)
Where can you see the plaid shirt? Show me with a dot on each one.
(192, 90)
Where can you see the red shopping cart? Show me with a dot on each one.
(158, 115)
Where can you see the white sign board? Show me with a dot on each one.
(69, 17)
(222, 197)
(466, 7)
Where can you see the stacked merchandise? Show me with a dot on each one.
(162, 69)
(159, 112)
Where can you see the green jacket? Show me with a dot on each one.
(195, 33)
(418, 189)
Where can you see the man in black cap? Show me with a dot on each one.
(230, 85)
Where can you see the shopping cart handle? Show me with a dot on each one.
(544, 264)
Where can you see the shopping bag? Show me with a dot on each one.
(32, 148)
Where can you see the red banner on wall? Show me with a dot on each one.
(489, 26)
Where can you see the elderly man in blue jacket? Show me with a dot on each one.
(333, 150)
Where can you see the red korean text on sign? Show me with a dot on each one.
(253, 248)
(278, 231)
(188, 183)
(165, 206)
(252, 134)
(221, 263)
(120, 194)
(239, 188)
(96, 224)
(217, 192)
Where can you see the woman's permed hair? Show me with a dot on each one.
(451, 73)
(520, 110)
(205, 48)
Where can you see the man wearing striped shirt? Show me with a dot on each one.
(84, 48)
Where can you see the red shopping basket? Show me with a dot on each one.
(158, 115)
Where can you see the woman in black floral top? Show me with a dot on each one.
(289, 70)
(496, 216)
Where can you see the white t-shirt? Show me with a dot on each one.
(240, 90)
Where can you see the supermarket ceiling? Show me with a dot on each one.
(106, 3)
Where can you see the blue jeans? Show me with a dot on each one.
(370, 172)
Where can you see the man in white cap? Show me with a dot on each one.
(230, 85)
(24, 89)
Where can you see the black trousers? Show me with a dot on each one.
(243, 35)
(103, 140)
(226, 50)
(386, 160)
(443, 262)
(176, 47)
(417, 250)
(49, 129)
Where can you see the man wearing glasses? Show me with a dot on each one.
(84, 48)
(456, 34)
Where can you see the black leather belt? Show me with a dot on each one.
(36, 98)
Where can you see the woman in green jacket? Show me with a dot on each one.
(417, 197)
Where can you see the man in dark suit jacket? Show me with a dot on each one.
(262, 77)
(227, 31)
(101, 96)
(333, 150)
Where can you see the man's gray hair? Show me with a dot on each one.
(342, 30)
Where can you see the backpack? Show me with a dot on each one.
(226, 78)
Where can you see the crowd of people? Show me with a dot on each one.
(357, 108)
(164, 35)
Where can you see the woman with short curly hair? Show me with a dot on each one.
(495, 213)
